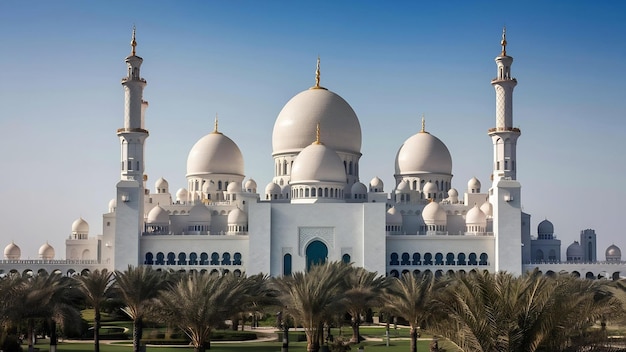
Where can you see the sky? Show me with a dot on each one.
(61, 101)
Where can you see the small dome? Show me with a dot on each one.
(199, 213)
(250, 185)
(209, 186)
(233, 187)
(318, 163)
(80, 226)
(423, 153)
(237, 216)
(215, 154)
(487, 208)
(430, 188)
(434, 213)
(182, 195)
(46, 252)
(403, 187)
(393, 217)
(575, 251)
(359, 188)
(376, 185)
(452, 192)
(473, 185)
(613, 253)
(298, 121)
(475, 216)
(545, 228)
(272, 188)
(158, 215)
(12, 251)
(112, 205)
(160, 184)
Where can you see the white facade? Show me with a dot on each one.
(316, 208)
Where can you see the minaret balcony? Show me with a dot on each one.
(504, 129)
(126, 79)
(127, 130)
(497, 80)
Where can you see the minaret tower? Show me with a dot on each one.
(506, 190)
(504, 135)
(123, 250)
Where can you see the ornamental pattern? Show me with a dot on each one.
(308, 234)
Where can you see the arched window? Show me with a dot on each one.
(160, 259)
(215, 258)
(461, 259)
(405, 259)
(204, 258)
(346, 258)
(472, 259)
(193, 258)
(287, 265)
(483, 259)
(226, 259)
(450, 259)
(149, 259)
(394, 259)
(182, 258)
(428, 259)
(438, 259)
(416, 259)
(394, 273)
(171, 258)
(237, 258)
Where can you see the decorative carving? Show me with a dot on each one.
(307, 234)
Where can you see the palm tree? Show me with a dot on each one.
(139, 288)
(200, 302)
(10, 290)
(95, 287)
(364, 291)
(411, 297)
(312, 297)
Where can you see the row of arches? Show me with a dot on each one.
(438, 259)
(192, 259)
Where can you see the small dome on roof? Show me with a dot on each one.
(403, 187)
(434, 213)
(250, 185)
(158, 215)
(199, 213)
(575, 251)
(613, 254)
(215, 154)
(209, 186)
(376, 185)
(487, 208)
(162, 184)
(393, 217)
(545, 228)
(473, 185)
(318, 163)
(12, 251)
(182, 195)
(452, 192)
(272, 188)
(423, 153)
(233, 187)
(237, 216)
(46, 252)
(112, 205)
(80, 226)
(475, 216)
(359, 188)
(430, 188)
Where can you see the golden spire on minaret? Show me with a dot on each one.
(423, 124)
(133, 43)
(317, 76)
(503, 42)
(317, 135)
(215, 125)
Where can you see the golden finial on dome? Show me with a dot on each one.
(317, 135)
(133, 42)
(215, 125)
(317, 76)
(503, 42)
(423, 124)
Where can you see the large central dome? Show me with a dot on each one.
(297, 122)
(423, 153)
(215, 154)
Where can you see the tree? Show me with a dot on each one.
(312, 297)
(200, 302)
(364, 290)
(411, 297)
(11, 287)
(139, 288)
(95, 287)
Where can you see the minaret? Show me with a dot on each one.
(123, 250)
(506, 190)
(504, 135)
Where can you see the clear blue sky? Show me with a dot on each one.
(61, 100)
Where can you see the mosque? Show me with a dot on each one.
(317, 208)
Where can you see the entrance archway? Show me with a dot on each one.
(316, 253)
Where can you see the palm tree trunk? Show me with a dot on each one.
(413, 339)
(137, 333)
(31, 335)
(355, 323)
(53, 335)
(96, 330)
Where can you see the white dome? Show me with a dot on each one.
(452, 192)
(473, 185)
(272, 188)
(475, 216)
(112, 205)
(433, 213)
(393, 216)
(158, 215)
(237, 216)
(12, 251)
(613, 253)
(376, 185)
(297, 123)
(545, 228)
(487, 208)
(359, 188)
(215, 154)
(403, 187)
(182, 194)
(209, 186)
(430, 187)
(251, 185)
(233, 187)
(46, 252)
(318, 163)
(80, 226)
(161, 183)
(423, 153)
(199, 213)
(575, 251)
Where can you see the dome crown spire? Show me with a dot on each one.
(133, 42)
(503, 41)
(317, 76)
(215, 130)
